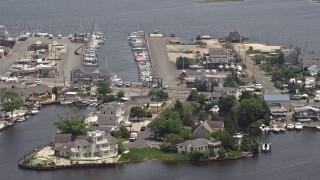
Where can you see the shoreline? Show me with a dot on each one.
(25, 162)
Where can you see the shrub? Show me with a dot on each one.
(149, 114)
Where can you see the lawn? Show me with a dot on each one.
(140, 154)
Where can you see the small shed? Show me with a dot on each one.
(282, 99)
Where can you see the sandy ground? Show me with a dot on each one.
(176, 50)
(48, 154)
(261, 47)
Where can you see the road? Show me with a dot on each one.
(163, 67)
(255, 71)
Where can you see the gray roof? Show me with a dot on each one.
(40, 88)
(305, 108)
(309, 56)
(111, 139)
(313, 67)
(197, 142)
(217, 51)
(276, 97)
(62, 138)
(214, 124)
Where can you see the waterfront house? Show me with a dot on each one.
(94, 147)
(89, 74)
(307, 59)
(198, 145)
(234, 37)
(34, 93)
(306, 113)
(223, 91)
(275, 99)
(277, 111)
(313, 70)
(112, 115)
(207, 127)
(217, 56)
(291, 55)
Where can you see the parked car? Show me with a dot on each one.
(38, 82)
(143, 128)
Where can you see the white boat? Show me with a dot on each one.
(298, 126)
(265, 147)
(282, 129)
(20, 119)
(290, 126)
(318, 127)
(66, 102)
(275, 130)
(35, 111)
(264, 128)
(215, 109)
(238, 135)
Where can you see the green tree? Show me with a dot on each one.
(202, 116)
(251, 110)
(228, 142)
(103, 90)
(225, 103)
(158, 94)
(137, 111)
(10, 101)
(71, 125)
(184, 62)
(120, 94)
(193, 95)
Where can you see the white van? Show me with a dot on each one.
(133, 137)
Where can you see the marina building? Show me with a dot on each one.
(90, 74)
(282, 100)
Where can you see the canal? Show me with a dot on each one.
(294, 155)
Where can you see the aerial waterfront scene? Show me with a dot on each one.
(180, 89)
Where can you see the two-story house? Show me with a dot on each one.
(207, 127)
(217, 56)
(223, 91)
(112, 115)
(306, 113)
(95, 146)
(307, 59)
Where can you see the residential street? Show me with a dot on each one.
(255, 71)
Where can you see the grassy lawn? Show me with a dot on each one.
(140, 154)
(248, 79)
(234, 153)
(251, 51)
(207, 1)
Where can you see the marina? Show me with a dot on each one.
(293, 152)
(139, 48)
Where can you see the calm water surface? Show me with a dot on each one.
(286, 22)
(295, 155)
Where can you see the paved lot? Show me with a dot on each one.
(163, 67)
(68, 60)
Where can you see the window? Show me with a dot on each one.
(111, 112)
(97, 146)
(110, 118)
(104, 112)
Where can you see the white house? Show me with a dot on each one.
(198, 145)
(313, 70)
(95, 146)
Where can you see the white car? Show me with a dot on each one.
(38, 82)
(258, 86)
